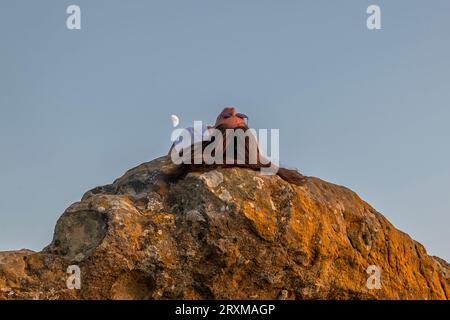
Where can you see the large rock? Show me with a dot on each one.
(223, 234)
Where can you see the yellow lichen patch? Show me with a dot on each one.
(300, 226)
(263, 220)
(163, 219)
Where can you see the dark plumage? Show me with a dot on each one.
(291, 176)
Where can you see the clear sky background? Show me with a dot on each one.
(365, 109)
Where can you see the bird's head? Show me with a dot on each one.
(231, 119)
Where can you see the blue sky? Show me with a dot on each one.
(365, 109)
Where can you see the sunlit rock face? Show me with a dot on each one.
(223, 234)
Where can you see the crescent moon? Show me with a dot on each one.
(175, 120)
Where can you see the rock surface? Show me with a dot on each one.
(224, 234)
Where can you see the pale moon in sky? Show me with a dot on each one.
(175, 120)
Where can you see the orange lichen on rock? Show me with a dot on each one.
(226, 233)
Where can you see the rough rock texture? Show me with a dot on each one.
(223, 234)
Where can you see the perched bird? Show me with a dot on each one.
(228, 119)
